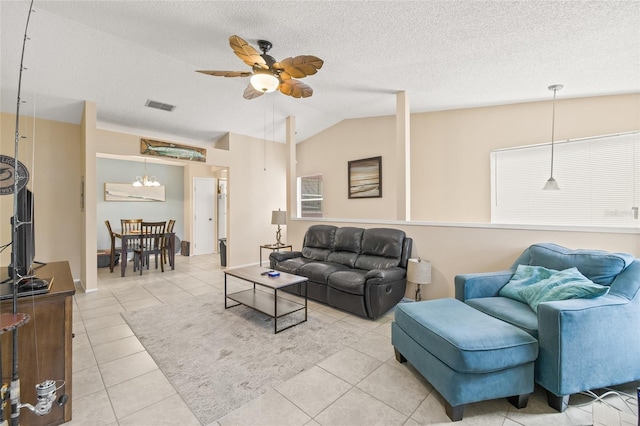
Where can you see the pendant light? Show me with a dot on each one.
(145, 180)
(551, 184)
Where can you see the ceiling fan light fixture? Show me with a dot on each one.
(264, 82)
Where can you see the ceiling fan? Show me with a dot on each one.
(268, 75)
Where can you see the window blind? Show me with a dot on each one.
(310, 196)
(599, 182)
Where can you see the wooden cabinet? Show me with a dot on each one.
(44, 344)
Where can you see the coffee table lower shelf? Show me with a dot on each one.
(269, 304)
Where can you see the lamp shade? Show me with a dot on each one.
(264, 82)
(419, 271)
(551, 185)
(279, 217)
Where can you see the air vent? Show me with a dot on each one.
(159, 105)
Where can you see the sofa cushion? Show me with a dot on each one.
(292, 266)
(347, 246)
(599, 266)
(319, 271)
(524, 276)
(508, 310)
(563, 285)
(351, 282)
(464, 338)
(381, 248)
(318, 242)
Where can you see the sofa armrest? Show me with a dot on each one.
(279, 256)
(588, 343)
(487, 284)
(384, 288)
(381, 276)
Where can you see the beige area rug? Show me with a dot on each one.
(218, 360)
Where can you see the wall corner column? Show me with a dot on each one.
(403, 157)
(292, 193)
(89, 261)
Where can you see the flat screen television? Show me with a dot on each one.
(24, 246)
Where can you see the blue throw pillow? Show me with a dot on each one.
(525, 276)
(563, 285)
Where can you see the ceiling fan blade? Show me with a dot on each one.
(227, 73)
(251, 93)
(296, 89)
(246, 52)
(300, 66)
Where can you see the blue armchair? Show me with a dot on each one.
(583, 343)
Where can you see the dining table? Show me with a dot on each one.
(125, 237)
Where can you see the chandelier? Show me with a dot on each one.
(146, 180)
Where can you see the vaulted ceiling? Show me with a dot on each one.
(444, 54)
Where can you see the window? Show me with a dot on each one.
(310, 196)
(599, 181)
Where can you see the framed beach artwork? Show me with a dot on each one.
(365, 178)
(128, 192)
(172, 150)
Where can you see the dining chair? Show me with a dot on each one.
(152, 241)
(170, 225)
(114, 249)
(129, 226)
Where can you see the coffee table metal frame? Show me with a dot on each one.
(264, 301)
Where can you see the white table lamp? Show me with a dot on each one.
(278, 217)
(419, 272)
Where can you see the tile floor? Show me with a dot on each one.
(116, 382)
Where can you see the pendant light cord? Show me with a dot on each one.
(553, 127)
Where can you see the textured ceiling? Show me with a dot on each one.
(444, 54)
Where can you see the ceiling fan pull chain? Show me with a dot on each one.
(264, 134)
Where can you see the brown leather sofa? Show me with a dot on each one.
(362, 271)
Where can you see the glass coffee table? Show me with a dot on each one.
(267, 302)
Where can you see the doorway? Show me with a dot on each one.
(204, 207)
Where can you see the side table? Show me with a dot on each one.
(274, 247)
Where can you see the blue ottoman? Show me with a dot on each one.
(466, 355)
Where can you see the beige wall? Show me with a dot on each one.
(328, 153)
(64, 153)
(448, 146)
(256, 186)
(55, 179)
(450, 180)
(450, 167)
(455, 250)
